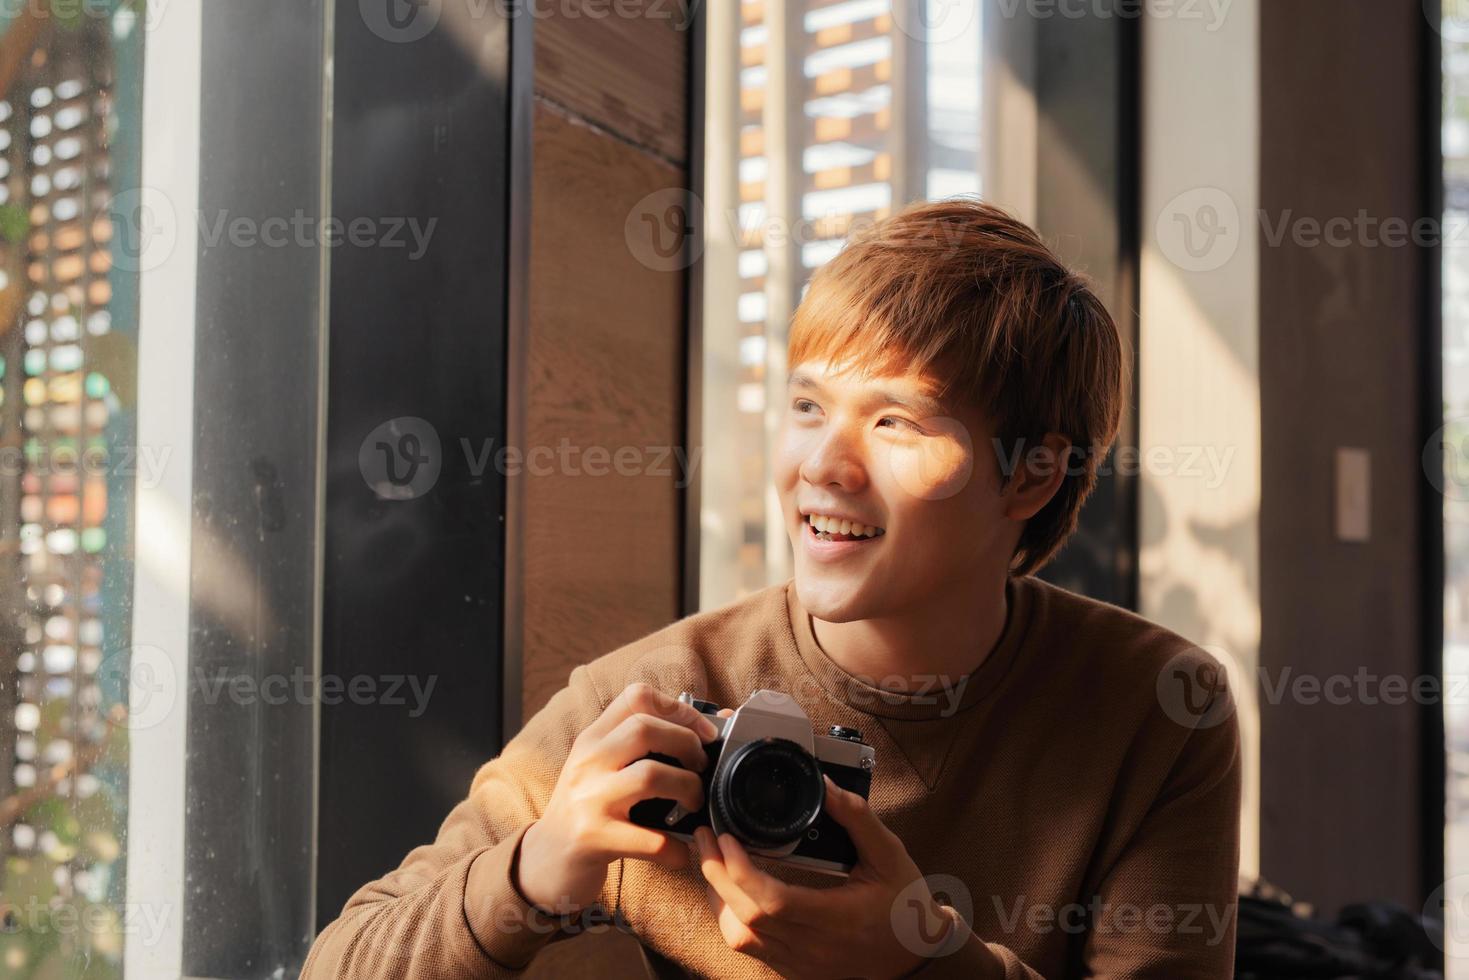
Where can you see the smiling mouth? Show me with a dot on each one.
(825, 528)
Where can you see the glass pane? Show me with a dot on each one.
(244, 789)
(1456, 504)
(69, 143)
(157, 727)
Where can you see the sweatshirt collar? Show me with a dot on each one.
(935, 701)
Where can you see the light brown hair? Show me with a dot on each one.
(961, 291)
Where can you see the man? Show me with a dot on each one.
(1041, 806)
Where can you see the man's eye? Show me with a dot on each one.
(893, 422)
(804, 405)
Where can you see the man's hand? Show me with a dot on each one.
(846, 931)
(564, 855)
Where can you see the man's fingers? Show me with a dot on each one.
(639, 734)
(648, 779)
(873, 840)
(673, 854)
(777, 901)
(711, 863)
(629, 840)
(740, 937)
(640, 698)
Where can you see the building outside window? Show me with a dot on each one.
(1456, 501)
(69, 106)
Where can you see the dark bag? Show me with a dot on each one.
(1370, 940)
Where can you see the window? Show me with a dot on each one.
(1455, 499)
(69, 158)
(138, 741)
(225, 631)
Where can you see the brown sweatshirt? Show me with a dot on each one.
(1079, 812)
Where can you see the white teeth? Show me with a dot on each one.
(822, 524)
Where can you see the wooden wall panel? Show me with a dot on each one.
(606, 349)
(601, 556)
(626, 73)
(1339, 338)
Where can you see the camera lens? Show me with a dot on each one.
(769, 793)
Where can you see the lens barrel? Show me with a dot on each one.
(769, 793)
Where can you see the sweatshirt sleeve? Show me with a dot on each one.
(974, 959)
(1168, 905)
(451, 909)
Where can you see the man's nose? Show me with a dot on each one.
(837, 460)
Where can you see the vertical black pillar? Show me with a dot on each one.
(256, 529)
(414, 568)
(1087, 180)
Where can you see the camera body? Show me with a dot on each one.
(763, 784)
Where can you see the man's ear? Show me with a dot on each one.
(1038, 476)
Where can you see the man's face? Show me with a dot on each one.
(891, 498)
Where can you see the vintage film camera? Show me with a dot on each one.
(763, 784)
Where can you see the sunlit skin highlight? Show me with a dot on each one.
(925, 597)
